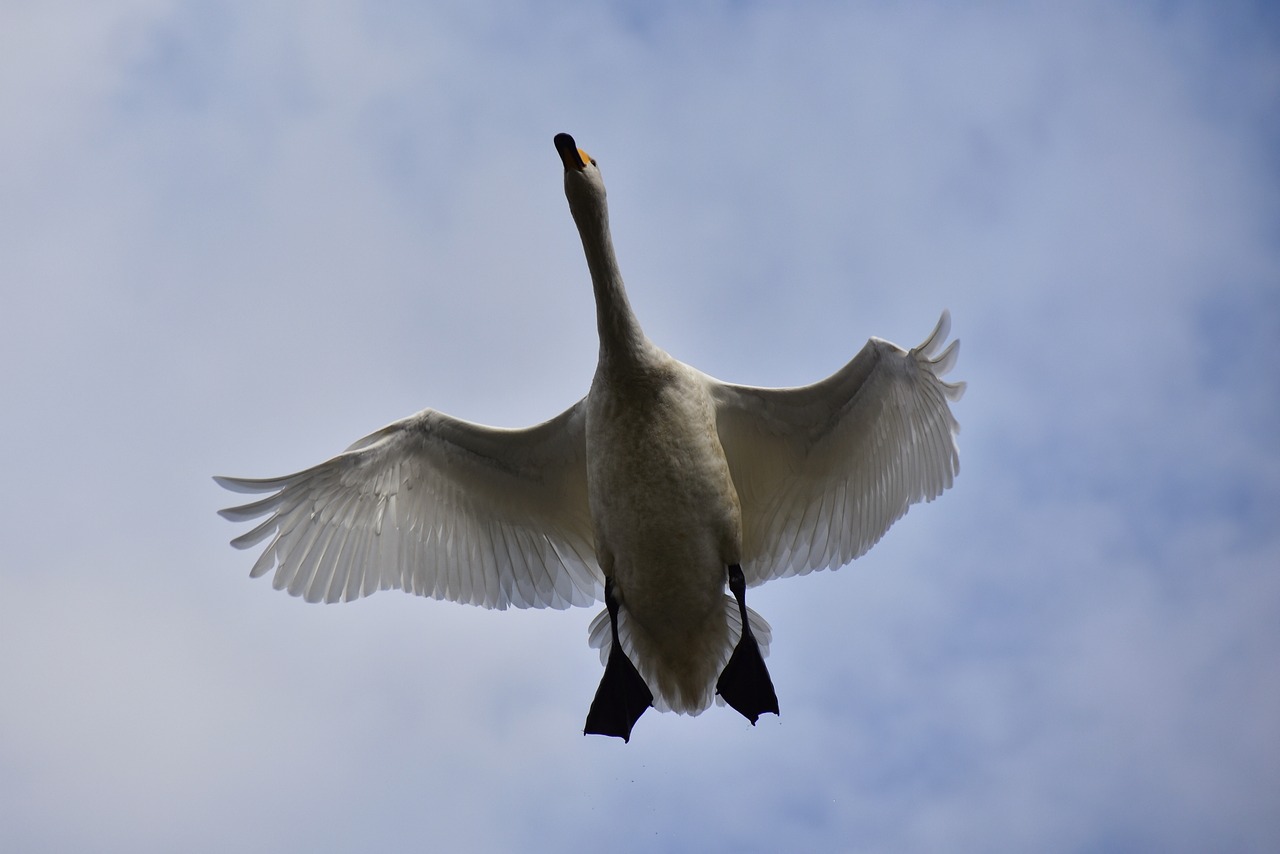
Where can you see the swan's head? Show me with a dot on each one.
(582, 179)
(574, 158)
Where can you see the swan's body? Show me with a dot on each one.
(668, 522)
(660, 481)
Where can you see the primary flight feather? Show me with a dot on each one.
(651, 493)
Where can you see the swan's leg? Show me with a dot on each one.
(622, 696)
(745, 682)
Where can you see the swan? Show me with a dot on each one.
(652, 493)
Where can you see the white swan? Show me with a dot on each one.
(651, 492)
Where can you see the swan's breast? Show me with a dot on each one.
(665, 510)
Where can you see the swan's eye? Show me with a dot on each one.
(586, 158)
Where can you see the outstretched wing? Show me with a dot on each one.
(438, 507)
(823, 471)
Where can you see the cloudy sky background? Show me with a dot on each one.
(234, 237)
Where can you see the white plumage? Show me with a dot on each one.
(660, 478)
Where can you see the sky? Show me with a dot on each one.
(236, 236)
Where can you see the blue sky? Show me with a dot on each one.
(234, 237)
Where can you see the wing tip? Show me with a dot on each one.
(249, 485)
(940, 360)
(231, 514)
(931, 345)
(939, 334)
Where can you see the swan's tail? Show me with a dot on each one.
(687, 685)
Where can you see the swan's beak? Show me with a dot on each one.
(572, 156)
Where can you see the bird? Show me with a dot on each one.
(653, 493)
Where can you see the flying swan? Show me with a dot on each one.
(650, 493)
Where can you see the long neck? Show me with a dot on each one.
(621, 339)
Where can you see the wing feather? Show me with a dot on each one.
(434, 506)
(824, 470)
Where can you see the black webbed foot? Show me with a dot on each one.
(745, 683)
(622, 696)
